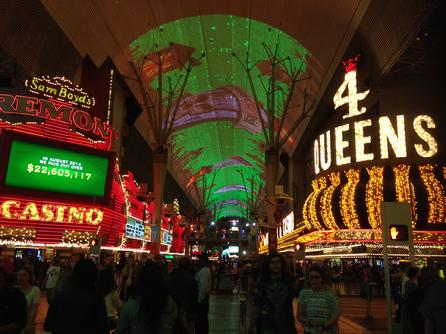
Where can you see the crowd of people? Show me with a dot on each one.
(137, 296)
(148, 295)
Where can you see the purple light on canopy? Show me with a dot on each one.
(231, 188)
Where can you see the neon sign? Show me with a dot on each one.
(61, 89)
(287, 225)
(392, 131)
(30, 211)
(53, 110)
(135, 229)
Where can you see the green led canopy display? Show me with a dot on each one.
(217, 129)
(41, 167)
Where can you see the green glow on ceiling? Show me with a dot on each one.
(217, 120)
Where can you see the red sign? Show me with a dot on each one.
(53, 110)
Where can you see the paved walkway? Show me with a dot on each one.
(224, 315)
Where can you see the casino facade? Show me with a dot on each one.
(378, 138)
(62, 186)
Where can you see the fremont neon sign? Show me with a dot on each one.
(391, 137)
(31, 211)
(53, 110)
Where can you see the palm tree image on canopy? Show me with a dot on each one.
(217, 120)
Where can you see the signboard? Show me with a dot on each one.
(396, 231)
(59, 100)
(50, 212)
(287, 225)
(61, 89)
(233, 249)
(393, 133)
(166, 238)
(397, 225)
(135, 229)
(95, 246)
(37, 164)
(272, 240)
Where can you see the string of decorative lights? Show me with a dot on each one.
(435, 193)
(326, 201)
(10, 235)
(374, 195)
(110, 95)
(367, 235)
(61, 82)
(348, 206)
(405, 191)
(306, 206)
(77, 237)
(320, 185)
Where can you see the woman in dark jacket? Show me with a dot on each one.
(274, 296)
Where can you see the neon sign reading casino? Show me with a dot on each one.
(61, 103)
(390, 137)
(29, 211)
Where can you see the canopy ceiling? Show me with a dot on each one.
(216, 150)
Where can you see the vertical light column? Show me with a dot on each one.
(271, 169)
(159, 180)
(374, 195)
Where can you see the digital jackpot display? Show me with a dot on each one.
(56, 168)
(35, 166)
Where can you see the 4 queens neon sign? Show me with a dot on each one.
(391, 138)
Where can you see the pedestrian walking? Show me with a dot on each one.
(204, 279)
(51, 279)
(184, 289)
(318, 308)
(32, 294)
(107, 287)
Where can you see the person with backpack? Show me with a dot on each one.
(318, 308)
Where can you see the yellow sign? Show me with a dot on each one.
(60, 89)
(50, 213)
(393, 233)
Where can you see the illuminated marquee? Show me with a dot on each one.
(31, 211)
(287, 225)
(391, 131)
(61, 89)
(52, 110)
(58, 99)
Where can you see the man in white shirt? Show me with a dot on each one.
(204, 279)
(51, 279)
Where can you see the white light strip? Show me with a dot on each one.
(110, 92)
